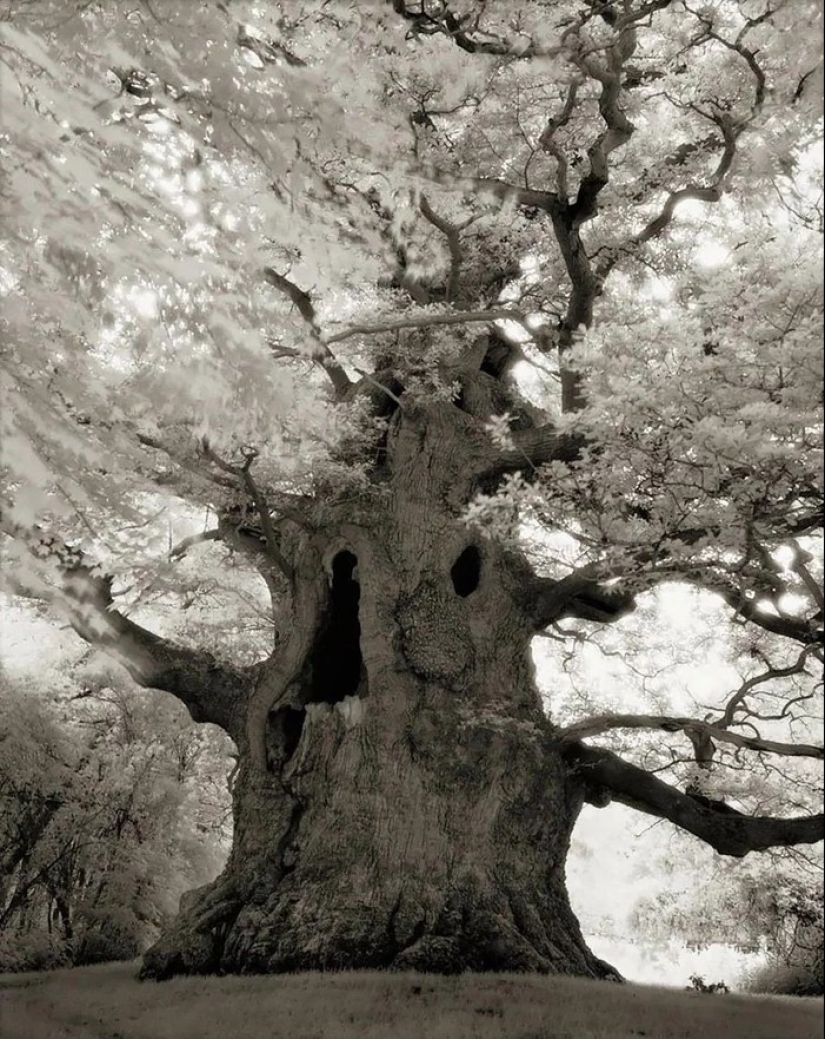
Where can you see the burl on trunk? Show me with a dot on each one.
(399, 800)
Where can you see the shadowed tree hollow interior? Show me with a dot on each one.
(336, 660)
(466, 571)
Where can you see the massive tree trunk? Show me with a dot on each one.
(400, 801)
(392, 833)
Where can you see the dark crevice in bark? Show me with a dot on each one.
(336, 663)
(466, 572)
(383, 391)
(287, 854)
(332, 671)
(284, 729)
(499, 357)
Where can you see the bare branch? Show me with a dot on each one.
(267, 51)
(568, 218)
(289, 506)
(737, 46)
(730, 129)
(452, 233)
(602, 723)
(184, 461)
(182, 547)
(709, 192)
(367, 377)
(801, 558)
(245, 476)
(618, 128)
(547, 139)
(272, 545)
(728, 831)
(466, 34)
(739, 697)
(463, 317)
(303, 304)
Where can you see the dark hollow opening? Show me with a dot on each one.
(336, 659)
(466, 571)
(284, 733)
(385, 405)
(498, 356)
(293, 726)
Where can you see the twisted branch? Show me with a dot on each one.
(251, 487)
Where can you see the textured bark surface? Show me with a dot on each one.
(400, 802)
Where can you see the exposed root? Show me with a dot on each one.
(194, 943)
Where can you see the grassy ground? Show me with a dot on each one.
(109, 1003)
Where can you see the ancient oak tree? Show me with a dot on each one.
(463, 323)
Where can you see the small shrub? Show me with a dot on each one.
(698, 984)
(105, 947)
(32, 952)
(782, 979)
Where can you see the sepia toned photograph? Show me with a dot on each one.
(411, 519)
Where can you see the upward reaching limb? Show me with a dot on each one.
(600, 723)
(303, 304)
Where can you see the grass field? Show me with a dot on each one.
(109, 1003)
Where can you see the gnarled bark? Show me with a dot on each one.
(393, 837)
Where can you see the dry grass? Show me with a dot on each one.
(109, 1003)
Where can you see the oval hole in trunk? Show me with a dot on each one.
(466, 571)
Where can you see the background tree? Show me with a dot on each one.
(413, 303)
(771, 905)
(106, 821)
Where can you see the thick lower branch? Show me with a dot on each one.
(579, 595)
(210, 691)
(726, 830)
(456, 317)
(531, 448)
(807, 631)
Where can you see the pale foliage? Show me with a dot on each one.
(112, 806)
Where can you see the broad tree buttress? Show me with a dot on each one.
(438, 196)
